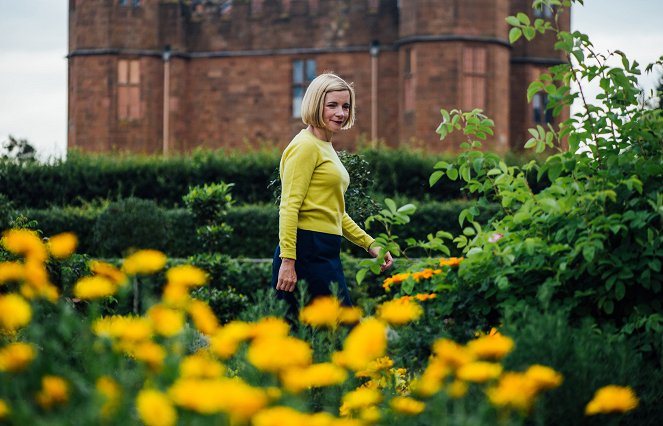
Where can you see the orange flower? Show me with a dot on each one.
(394, 279)
(452, 261)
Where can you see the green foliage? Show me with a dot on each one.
(130, 224)
(18, 151)
(209, 205)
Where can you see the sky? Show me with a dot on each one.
(33, 64)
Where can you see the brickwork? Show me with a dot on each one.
(231, 69)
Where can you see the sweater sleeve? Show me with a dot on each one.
(297, 166)
(355, 234)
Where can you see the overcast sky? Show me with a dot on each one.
(33, 68)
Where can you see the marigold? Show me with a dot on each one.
(201, 365)
(54, 390)
(274, 354)
(95, 287)
(226, 340)
(374, 367)
(166, 322)
(350, 315)
(144, 262)
(155, 409)
(322, 312)
(358, 399)
(296, 380)
(612, 399)
(186, 275)
(423, 297)
(15, 357)
(176, 296)
(545, 377)
(451, 353)
(280, 416)
(479, 371)
(62, 245)
(494, 346)
(203, 317)
(451, 261)
(109, 271)
(514, 390)
(426, 274)
(365, 343)
(4, 409)
(457, 389)
(26, 243)
(270, 327)
(37, 283)
(394, 279)
(11, 271)
(399, 312)
(150, 353)
(130, 329)
(111, 393)
(408, 406)
(430, 381)
(15, 312)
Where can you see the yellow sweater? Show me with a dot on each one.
(313, 183)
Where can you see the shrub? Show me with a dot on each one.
(209, 205)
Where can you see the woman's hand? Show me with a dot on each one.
(388, 260)
(287, 275)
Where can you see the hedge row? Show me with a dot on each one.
(109, 230)
(84, 178)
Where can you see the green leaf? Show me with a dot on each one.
(514, 34)
(452, 174)
(620, 290)
(529, 33)
(512, 20)
(407, 209)
(436, 176)
(390, 204)
(530, 143)
(523, 18)
(361, 274)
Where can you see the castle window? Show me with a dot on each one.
(128, 89)
(134, 3)
(409, 88)
(474, 78)
(303, 71)
(541, 113)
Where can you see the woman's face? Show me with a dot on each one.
(336, 110)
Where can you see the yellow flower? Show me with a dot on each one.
(405, 405)
(95, 287)
(203, 317)
(358, 399)
(350, 315)
(270, 327)
(451, 353)
(54, 390)
(15, 357)
(370, 414)
(166, 322)
(452, 261)
(494, 346)
(394, 279)
(26, 243)
(155, 409)
(144, 262)
(15, 312)
(226, 340)
(131, 329)
(514, 390)
(399, 312)
(200, 365)
(280, 416)
(375, 367)
(111, 393)
(4, 409)
(62, 245)
(457, 389)
(479, 371)
(11, 271)
(274, 354)
(296, 380)
(186, 275)
(37, 283)
(430, 381)
(365, 343)
(109, 271)
(232, 396)
(176, 296)
(612, 399)
(423, 297)
(544, 377)
(150, 353)
(322, 312)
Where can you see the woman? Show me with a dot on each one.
(312, 216)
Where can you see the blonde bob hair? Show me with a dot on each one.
(314, 100)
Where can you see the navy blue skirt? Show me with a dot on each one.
(318, 264)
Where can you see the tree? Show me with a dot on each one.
(19, 150)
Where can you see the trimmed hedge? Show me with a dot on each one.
(86, 178)
(255, 227)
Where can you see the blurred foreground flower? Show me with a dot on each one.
(54, 390)
(155, 409)
(15, 312)
(612, 399)
(16, 356)
(62, 245)
(399, 311)
(144, 262)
